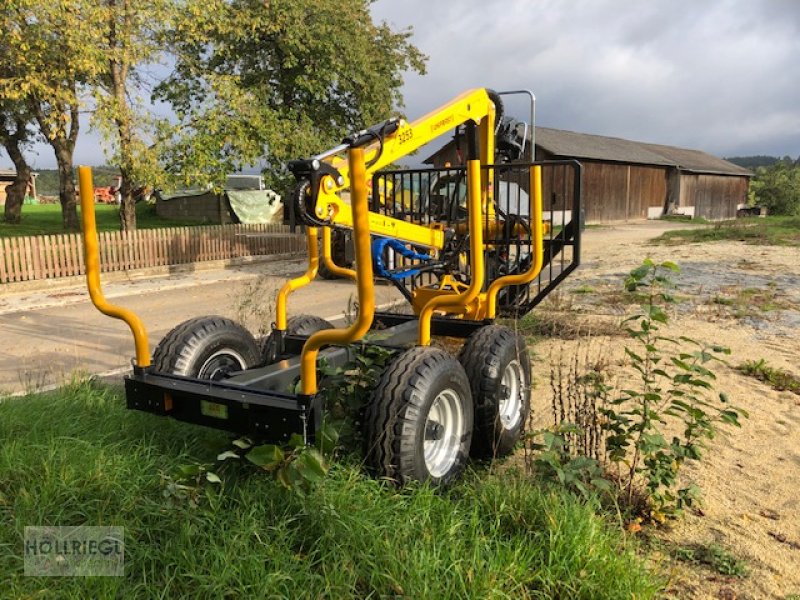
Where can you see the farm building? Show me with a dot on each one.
(627, 180)
(7, 177)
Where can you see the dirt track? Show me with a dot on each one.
(47, 336)
(747, 298)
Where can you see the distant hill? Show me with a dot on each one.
(47, 181)
(751, 162)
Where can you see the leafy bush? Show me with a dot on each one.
(778, 188)
(621, 433)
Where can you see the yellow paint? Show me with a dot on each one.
(537, 247)
(364, 281)
(473, 105)
(92, 258)
(460, 302)
(312, 242)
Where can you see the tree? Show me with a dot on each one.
(51, 53)
(131, 40)
(277, 79)
(778, 187)
(14, 135)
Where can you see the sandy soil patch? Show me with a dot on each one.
(747, 298)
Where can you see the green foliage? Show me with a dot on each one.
(778, 188)
(675, 386)
(713, 556)
(77, 456)
(280, 79)
(673, 390)
(778, 379)
(770, 230)
(553, 461)
(347, 389)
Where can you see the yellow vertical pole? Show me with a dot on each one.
(364, 280)
(92, 259)
(312, 243)
(537, 249)
(460, 301)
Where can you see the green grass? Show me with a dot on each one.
(777, 379)
(714, 557)
(772, 231)
(78, 457)
(749, 302)
(45, 219)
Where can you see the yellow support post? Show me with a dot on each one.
(328, 258)
(364, 281)
(92, 258)
(538, 247)
(312, 242)
(459, 302)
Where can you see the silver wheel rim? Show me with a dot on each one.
(445, 427)
(220, 364)
(511, 389)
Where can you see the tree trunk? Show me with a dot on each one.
(15, 193)
(62, 139)
(119, 68)
(66, 187)
(127, 207)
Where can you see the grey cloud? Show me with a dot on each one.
(717, 75)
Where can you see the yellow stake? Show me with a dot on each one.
(312, 242)
(92, 259)
(459, 302)
(538, 246)
(364, 280)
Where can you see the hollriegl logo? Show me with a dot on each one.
(74, 551)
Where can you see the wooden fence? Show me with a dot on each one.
(49, 256)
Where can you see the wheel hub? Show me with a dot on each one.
(511, 390)
(445, 426)
(220, 364)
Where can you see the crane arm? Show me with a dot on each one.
(328, 174)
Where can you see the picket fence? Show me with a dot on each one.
(50, 256)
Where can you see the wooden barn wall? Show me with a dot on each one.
(714, 197)
(617, 192)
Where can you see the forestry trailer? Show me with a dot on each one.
(487, 236)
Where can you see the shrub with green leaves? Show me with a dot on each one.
(674, 390)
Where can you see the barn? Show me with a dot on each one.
(627, 180)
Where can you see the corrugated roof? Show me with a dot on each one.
(597, 147)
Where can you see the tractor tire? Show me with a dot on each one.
(339, 241)
(206, 348)
(418, 421)
(499, 370)
(306, 325)
(297, 325)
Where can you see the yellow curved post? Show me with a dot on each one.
(92, 258)
(459, 302)
(538, 247)
(327, 257)
(364, 281)
(312, 241)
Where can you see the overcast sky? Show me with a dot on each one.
(716, 75)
